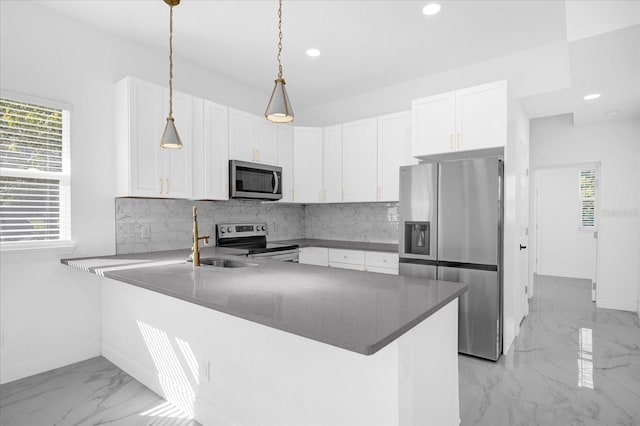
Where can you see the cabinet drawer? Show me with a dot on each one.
(354, 266)
(355, 257)
(381, 259)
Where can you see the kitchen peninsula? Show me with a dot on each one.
(299, 344)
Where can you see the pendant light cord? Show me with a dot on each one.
(171, 62)
(279, 39)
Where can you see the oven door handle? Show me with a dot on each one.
(276, 182)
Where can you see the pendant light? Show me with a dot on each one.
(170, 138)
(279, 107)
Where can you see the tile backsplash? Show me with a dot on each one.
(169, 222)
(156, 224)
(369, 222)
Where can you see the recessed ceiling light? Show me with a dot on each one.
(313, 52)
(592, 96)
(431, 9)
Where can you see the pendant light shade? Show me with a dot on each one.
(170, 138)
(279, 107)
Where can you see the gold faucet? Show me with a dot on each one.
(195, 250)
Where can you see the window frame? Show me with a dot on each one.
(64, 176)
(596, 171)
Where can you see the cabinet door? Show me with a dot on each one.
(332, 169)
(394, 150)
(307, 164)
(285, 160)
(177, 163)
(216, 151)
(314, 256)
(265, 141)
(360, 160)
(146, 122)
(433, 124)
(241, 133)
(481, 116)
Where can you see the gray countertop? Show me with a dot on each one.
(349, 245)
(353, 310)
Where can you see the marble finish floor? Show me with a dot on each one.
(571, 364)
(91, 392)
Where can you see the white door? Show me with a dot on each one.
(265, 141)
(332, 168)
(307, 164)
(177, 163)
(216, 151)
(433, 124)
(394, 150)
(481, 116)
(564, 247)
(285, 159)
(360, 160)
(523, 223)
(241, 132)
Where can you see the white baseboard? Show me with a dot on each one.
(205, 413)
(40, 365)
(621, 305)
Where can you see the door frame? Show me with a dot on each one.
(534, 219)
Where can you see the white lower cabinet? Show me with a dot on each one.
(313, 256)
(359, 260)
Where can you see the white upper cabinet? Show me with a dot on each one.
(252, 138)
(285, 159)
(394, 150)
(211, 155)
(468, 119)
(332, 164)
(145, 169)
(481, 116)
(433, 124)
(360, 160)
(177, 163)
(307, 164)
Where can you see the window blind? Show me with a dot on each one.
(34, 175)
(587, 198)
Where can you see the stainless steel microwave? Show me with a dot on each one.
(253, 180)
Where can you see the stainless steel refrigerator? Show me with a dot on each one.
(451, 229)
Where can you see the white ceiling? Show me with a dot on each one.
(367, 45)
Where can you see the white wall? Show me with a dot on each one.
(49, 313)
(564, 250)
(555, 141)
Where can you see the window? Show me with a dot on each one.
(588, 198)
(34, 174)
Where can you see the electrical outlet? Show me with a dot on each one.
(145, 231)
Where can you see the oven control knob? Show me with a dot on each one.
(222, 230)
(262, 228)
(228, 229)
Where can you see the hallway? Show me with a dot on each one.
(572, 364)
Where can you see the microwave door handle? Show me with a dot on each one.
(276, 182)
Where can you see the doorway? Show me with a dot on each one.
(566, 222)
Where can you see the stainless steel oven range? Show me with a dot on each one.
(253, 237)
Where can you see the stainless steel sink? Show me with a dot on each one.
(225, 263)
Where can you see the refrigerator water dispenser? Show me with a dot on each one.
(416, 238)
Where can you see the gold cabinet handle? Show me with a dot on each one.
(451, 141)
(167, 179)
(458, 140)
(257, 155)
(161, 186)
